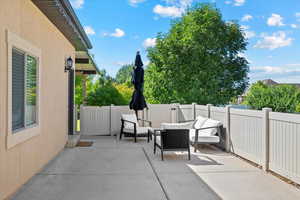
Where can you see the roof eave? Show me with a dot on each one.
(62, 15)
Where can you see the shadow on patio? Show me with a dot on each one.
(112, 169)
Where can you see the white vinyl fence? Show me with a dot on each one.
(270, 139)
(95, 120)
(106, 120)
(284, 145)
(247, 134)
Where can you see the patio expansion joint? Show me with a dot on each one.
(156, 175)
(91, 174)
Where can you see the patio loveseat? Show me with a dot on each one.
(200, 131)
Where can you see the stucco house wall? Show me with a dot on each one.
(20, 162)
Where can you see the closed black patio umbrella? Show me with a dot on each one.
(138, 100)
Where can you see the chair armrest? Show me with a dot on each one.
(199, 129)
(192, 120)
(128, 121)
(144, 120)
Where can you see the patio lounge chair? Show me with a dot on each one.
(130, 127)
(201, 130)
(172, 140)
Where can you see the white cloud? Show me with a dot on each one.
(247, 18)
(135, 2)
(149, 42)
(118, 33)
(77, 3)
(121, 63)
(288, 73)
(298, 16)
(239, 2)
(89, 30)
(245, 27)
(227, 2)
(275, 20)
(167, 11)
(294, 26)
(275, 69)
(248, 33)
(174, 8)
(276, 40)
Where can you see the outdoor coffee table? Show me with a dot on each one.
(152, 131)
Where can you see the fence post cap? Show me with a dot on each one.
(267, 109)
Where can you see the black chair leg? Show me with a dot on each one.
(162, 155)
(189, 152)
(148, 139)
(121, 132)
(154, 149)
(135, 138)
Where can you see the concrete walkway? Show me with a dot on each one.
(113, 170)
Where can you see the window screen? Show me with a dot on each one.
(31, 90)
(18, 91)
(24, 90)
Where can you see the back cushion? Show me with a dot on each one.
(186, 125)
(211, 131)
(199, 122)
(131, 118)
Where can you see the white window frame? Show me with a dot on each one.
(21, 135)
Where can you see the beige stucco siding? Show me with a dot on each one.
(22, 161)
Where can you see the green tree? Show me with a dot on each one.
(105, 95)
(124, 74)
(298, 108)
(281, 98)
(199, 60)
(125, 91)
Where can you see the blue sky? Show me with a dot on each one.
(118, 28)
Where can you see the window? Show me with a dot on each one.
(24, 90)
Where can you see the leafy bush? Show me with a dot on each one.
(105, 95)
(298, 108)
(125, 91)
(281, 98)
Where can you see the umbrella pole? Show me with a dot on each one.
(136, 113)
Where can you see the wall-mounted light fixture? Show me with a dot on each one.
(69, 64)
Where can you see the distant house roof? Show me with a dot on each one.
(62, 15)
(271, 82)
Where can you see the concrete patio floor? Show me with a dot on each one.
(113, 170)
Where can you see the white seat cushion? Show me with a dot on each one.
(158, 140)
(203, 137)
(131, 118)
(207, 139)
(211, 131)
(186, 125)
(139, 130)
(199, 122)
